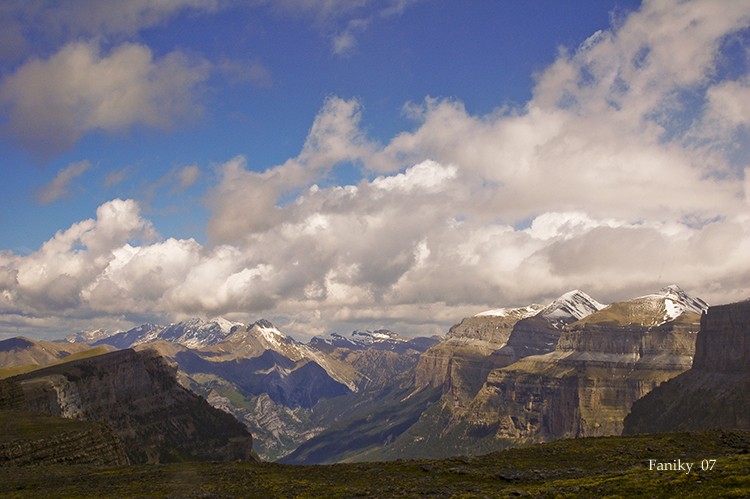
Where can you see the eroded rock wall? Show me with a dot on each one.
(586, 386)
(715, 392)
(136, 393)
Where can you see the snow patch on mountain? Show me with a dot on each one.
(524, 312)
(675, 302)
(360, 339)
(89, 336)
(196, 333)
(270, 333)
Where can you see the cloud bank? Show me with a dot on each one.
(619, 176)
(51, 103)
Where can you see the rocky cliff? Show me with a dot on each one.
(715, 391)
(431, 420)
(30, 439)
(599, 360)
(459, 364)
(600, 366)
(135, 393)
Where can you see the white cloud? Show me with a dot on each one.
(595, 184)
(58, 187)
(427, 175)
(247, 202)
(52, 102)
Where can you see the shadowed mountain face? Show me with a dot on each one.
(284, 391)
(137, 395)
(289, 383)
(713, 393)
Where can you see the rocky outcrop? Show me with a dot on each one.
(714, 392)
(30, 439)
(135, 393)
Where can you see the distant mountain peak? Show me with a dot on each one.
(651, 310)
(675, 293)
(573, 305)
(264, 323)
(526, 311)
(379, 335)
(17, 343)
(380, 339)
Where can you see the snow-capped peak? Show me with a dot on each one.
(91, 336)
(268, 332)
(360, 339)
(196, 332)
(573, 305)
(674, 293)
(676, 301)
(224, 324)
(369, 337)
(527, 311)
(651, 310)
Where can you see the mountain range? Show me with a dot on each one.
(501, 378)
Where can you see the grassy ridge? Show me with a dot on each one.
(596, 467)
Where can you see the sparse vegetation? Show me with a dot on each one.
(596, 467)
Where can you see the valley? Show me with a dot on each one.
(506, 380)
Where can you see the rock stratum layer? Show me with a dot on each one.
(586, 387)
(713, 393)
(137, 395)
(31, 439)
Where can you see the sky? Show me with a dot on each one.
(333, 165)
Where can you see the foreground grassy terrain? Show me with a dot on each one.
(597, 467)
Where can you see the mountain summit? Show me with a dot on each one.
(192, 333)
(572, 305)
(655, 309)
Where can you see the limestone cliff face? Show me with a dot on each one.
(715, 392)
(531, 336)
(724, 342)
(135, 393)
(459, 364)
(588, 384)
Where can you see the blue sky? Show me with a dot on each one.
(339, 164)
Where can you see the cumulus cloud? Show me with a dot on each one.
(51, 103)
(54, 278)
(58, 187)
(246, 202)
(598, 183)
